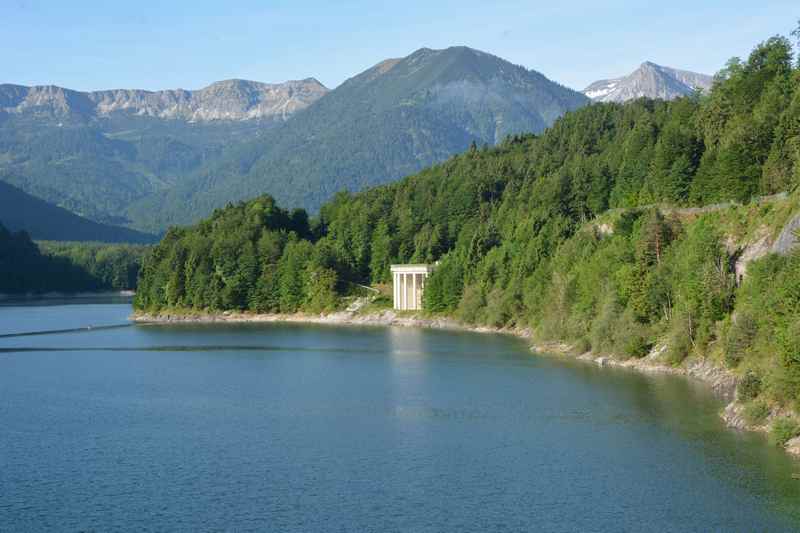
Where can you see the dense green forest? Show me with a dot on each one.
(568, 232)
(112, 266)
(65, 267)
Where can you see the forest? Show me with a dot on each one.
(26, 267)
(575, 233)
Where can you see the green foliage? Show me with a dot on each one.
(739, 338)
(249, 256)
(114, 266)
(749, 387)
(756, 412)
(44, 221)
(321, 295)
(771, 296)
(100, 168)
(574, 233)
(783, 430)
(680, 339)
(64, 267)
(443, 288)
(385, 123)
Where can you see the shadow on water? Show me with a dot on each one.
(51, 300)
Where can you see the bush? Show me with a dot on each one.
(320, 290)
(787, 385)
(472, 305)
(749, 387)
(739, 338)
(679, 342)
(756, 412)
(605, 326)
(497, 312)
(636, 344)
(783, 430)
(581, 346)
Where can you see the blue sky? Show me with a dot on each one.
(163, 44)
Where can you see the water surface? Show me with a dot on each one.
(312, 428)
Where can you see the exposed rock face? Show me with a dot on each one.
(223, 100)
(787, 240)
(793, 446)
(720, 379)
(651, 81)
(733, 416)
(762, 245)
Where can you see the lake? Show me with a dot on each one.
(312, 428)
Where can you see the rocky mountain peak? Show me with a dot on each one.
(650, 80)
(233, 99)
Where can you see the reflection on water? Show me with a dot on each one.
(123, 297)
(313, 428)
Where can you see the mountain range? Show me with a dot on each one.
(649, 81)
(395, 118)
(223, 100)
(151, 159)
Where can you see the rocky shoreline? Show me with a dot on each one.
(343, 318)
(721, 380)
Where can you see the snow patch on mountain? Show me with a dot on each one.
(650, 81)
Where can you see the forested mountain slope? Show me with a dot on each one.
(65, 267)
(96, 167)
(387, 122)
(42, 221)
(512, 228)
(96, 153)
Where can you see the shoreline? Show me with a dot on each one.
(340, 318)
(721, 380)
(33, 296)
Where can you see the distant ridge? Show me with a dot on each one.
(387, 122)
(650, 81)
(223, 100)
(43, 221)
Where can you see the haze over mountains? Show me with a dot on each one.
(649, 81)
(150, 159)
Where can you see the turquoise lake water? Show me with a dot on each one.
(311, 428)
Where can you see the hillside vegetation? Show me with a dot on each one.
(43, 221)
(97, 167)
(385, 123)
(65, 267)
(149, 160)
(524, 234)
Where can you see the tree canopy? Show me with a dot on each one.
(515, 227)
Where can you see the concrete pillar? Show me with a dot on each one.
(406, 303)
(414, 291)
(403, 300)
(405, 291)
